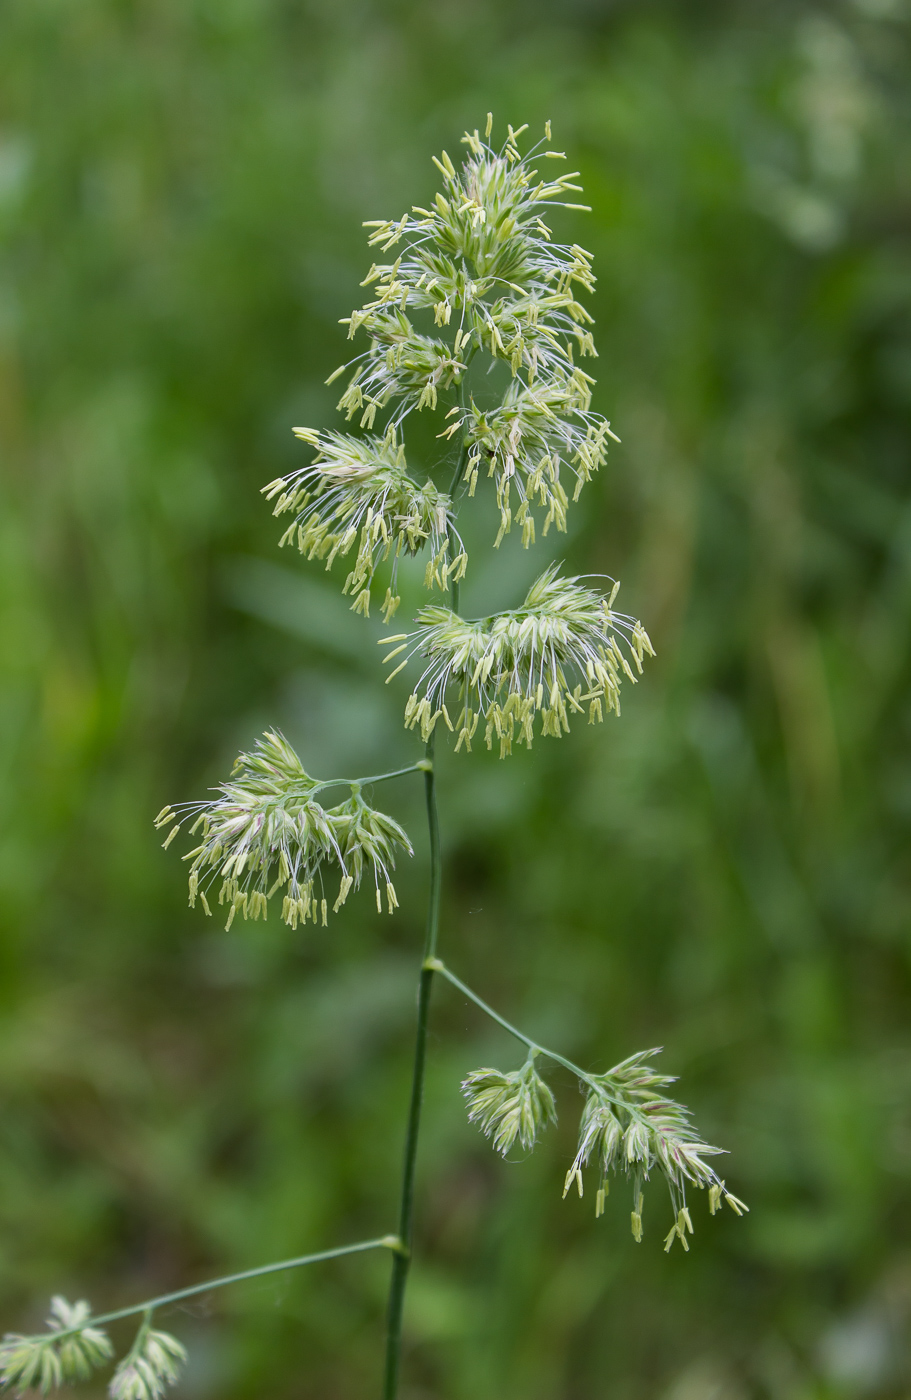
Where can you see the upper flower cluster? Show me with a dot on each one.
(484, 270)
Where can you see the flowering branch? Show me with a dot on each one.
(626, 1125)
(74, 1344)
(484, 267)
(514, 665)
(266, 832)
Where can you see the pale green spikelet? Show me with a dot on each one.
(508, 1106)
(556, 655)
(629, 1127)
(70, 1350)
(265, 832)
(151, 1368)
(357, 495)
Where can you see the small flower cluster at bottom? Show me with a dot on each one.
(626, 1127)
(73, 1348)
(553, 656)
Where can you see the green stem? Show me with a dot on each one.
(419, 767)
(402, 1261)
(150, 1304)
(437, 966)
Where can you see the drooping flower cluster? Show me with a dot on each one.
(151, 1368)
(70, 1350)
(629, 1126)
(557, 654)
(357, 494)
(525, 440)
(510, 1105)
(482, 260)
(265, 831)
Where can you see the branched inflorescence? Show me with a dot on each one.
(265, 832)
(484, 268)
(357, 494)
(555, 655)
(627, 1127)
(509, 1105)
(483, 264)
(73, 1347)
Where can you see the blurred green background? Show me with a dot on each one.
(724, 871)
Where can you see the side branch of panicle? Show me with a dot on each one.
(511, 1105)
(265, 832)
(628, 1126)
(357, 495)
(557, 654)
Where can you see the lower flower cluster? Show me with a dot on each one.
(74, 1346)
(627, 1127)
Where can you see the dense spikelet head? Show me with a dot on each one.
(70, 1350)
(557, 654)
(265, 832)
(357, 495)
(151, 1368)
(628, 1126)
(511, 1105)
(485, 272)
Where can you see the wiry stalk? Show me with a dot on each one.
(402, 1260)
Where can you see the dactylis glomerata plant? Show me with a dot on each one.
(478, 274)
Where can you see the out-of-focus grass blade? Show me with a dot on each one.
(315, 612)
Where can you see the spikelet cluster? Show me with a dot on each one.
(357, 495)
(152, 1367)
(507, 1106)
(265, 832)
(629, 1126)
(482, 261)
(555, 655)
(70, 1350)
(525, 441)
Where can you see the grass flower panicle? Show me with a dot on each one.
(266, 832)
(357, 494)
(70, 1350)
(557, 654)
(483, 265)
(507, 1106)
(524, 442)
(628, 1126)
(151, 1368)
